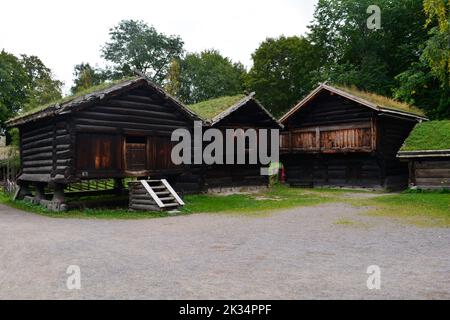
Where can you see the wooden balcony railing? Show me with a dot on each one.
(358, 137)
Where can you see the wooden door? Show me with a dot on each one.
(135, 153)
(159, 153)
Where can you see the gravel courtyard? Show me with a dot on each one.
(317, 252)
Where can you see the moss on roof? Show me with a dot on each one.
(382, 101)
(209, 109)
(426, 136)
(100, 87)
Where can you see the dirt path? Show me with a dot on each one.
(303, 253)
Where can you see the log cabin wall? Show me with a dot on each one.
(331, 142)
(127, 136)
(249, 116)
(343, 170)
(46, 150)
(334, 141)
(392, 133)
(429, 173)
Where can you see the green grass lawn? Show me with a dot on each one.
(278, 197)
(100, 213)
(422, 209)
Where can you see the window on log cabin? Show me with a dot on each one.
(97, 152)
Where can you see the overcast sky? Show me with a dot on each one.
(64, 33)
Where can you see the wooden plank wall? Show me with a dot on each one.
(392, 134)
(315, 170)
(430, 173)
(346, 137)
(229, 176)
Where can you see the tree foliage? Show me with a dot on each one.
(13, 87)
(25, 82)
(41, 88)
(85, 76)
(136, 45)
(206, 75)
(437, 50)
(284, 70)
(352, 54)
(426, 83)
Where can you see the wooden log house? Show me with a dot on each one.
(234, 112)
(348, 138)
(116, 131)
(121, 130)
(427, 152)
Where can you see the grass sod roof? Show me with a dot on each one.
(374, 101)
(429, 136)
(92, 94)
(382, 101)
(208, 110)
(70, 98)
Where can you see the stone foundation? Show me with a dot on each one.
(54, 206)
(234, 190)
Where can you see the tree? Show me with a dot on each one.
(87, 76)
(352, 54)
(25, 83)
(437, 50)
(206, 75)
(426, 83)
(173, 84)
(418, 86)
(284, 70)
(135, 45)
(42, 88)
(13, 87)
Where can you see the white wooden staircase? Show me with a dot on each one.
(154, 195)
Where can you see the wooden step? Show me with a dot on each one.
(154, 195)
(167, 199)
(162, 193)
(171, 205)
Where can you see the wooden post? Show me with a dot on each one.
(290, 141)
(40, 193)
(374, 133)
(118, 185)
(318, 138)
(58, 193)
(412, 173)
(24, 190)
